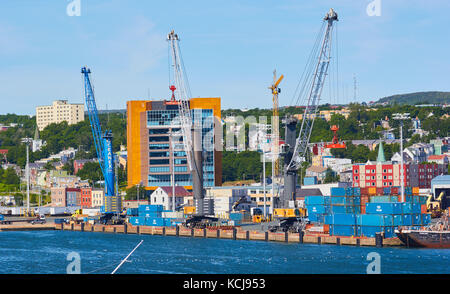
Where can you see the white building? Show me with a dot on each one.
(58, 112)
(163, 196)
(97, 197)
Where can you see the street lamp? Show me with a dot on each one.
(401, 117)
(27, 141)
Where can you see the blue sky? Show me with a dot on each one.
(230, 49)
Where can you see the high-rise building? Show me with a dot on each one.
(155, 147)
(58, 112)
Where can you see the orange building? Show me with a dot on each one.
(152, 150)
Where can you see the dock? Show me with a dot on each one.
(232, 234)
(25, 226)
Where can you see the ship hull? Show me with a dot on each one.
(427, 239)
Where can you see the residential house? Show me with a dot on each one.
(164, 196)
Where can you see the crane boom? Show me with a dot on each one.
(296, 149)
(314, 97)
(182, 90)
(103, 146)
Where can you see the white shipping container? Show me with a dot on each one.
(173, 214)
(91, 211)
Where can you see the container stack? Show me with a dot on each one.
(149, 215)
(366, 211)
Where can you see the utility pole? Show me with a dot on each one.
(401, 117)
(27, 141)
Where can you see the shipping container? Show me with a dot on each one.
(151, 208)
(377, 220)
(407, 220)
(340, 219)
(316, 218)
(339, 230)
(380, 191)
(416, 220)
(349, 191)
(151, 214)
(310, 181)
(154, 221)
(357, 191)
(325, 209)
(383, 208)
(395, 191)
(337, 191)
(317, 200)
(236, 216)
(137, 221)
(372, 190)
(371, 231)
(397, 220)
(364, 191)
(426, 219)
(387, 191)
(415, 190)
(132, 211)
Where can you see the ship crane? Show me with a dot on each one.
(103, 146)
(190, 128)
(296, 148)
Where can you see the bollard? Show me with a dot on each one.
(192, 232)
(218, 234)
(204, 233)
(358, 242)
(338, 241)
(266, 236)
(82, 227)
(247, 235)
(137, 230)
(71, 226)
(379, 240)
(62, 226)
(300, 239)
(125, 229)
(103, 229)
(164, 231)
(234, 233)
(177, 231)
(286, 237)
(114, 230)
(92, 228)
(319, 240)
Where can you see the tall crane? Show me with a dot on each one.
(296, 148)
(190, 128)
(103, 146)
(275, 123)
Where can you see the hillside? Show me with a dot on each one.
(418, 98)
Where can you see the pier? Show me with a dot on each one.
(232, 234)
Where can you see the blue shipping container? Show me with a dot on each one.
(426, 219)
(150, 214)
(152, 208)
(338, 230)
(371, 231)
(384, 208)
(325, 209)
(316, 218)
(310, 181)
(345, 219)
(357, 191)
(377, 220)
(132, 211)
(337, 191)
(156, 222)
(416, 220)
(137, 221)
(349, 191)
(407, 220)
(317, 200)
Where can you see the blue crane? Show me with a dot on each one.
(103, 146)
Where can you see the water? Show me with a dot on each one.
(45, 252)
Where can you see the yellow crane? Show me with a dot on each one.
(275, 121)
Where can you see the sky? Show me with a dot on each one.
(230, 49)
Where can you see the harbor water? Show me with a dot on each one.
(51, 252)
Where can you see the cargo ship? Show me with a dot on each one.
(433, 236)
